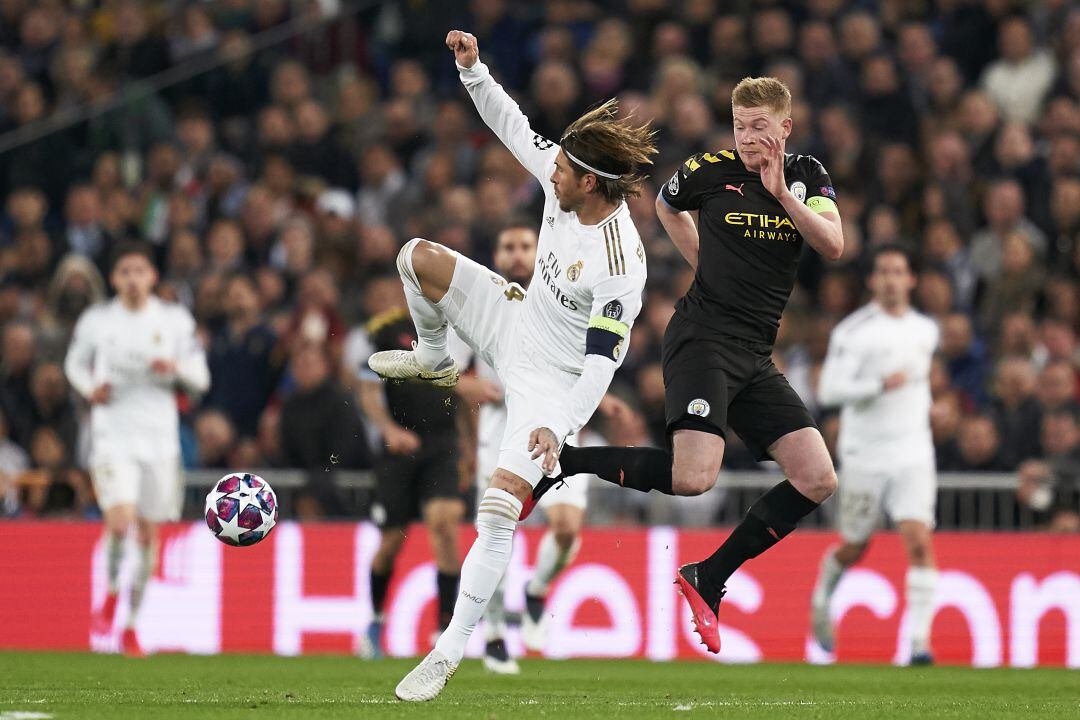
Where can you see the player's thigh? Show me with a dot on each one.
(161, 490)
(768, 410)
(396, 501)
(911, 494)
(535, 396)
(115, 478)
(697, 379)
(861, 492)
(482, 308)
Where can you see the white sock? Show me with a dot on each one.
(432, 350)
(484, 566)
(828, 577)
(921, 582)
(114, 555)
(550, 561)
(147, 562)
(495, 613)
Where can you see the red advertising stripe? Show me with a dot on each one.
(1003, 599)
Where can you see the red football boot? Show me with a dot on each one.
(705, 623)
(129, 644)
(545, 484)
(102, 621)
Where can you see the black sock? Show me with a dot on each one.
(448, 589)
(379, 586)
(640, 468)
(773, 516)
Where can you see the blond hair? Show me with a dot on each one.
(619, 147)
(769, 92)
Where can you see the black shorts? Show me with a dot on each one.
(713, 381)
(405, 483)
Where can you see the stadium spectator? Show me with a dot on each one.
(243, 367)
(1016, 412)
(954, 127)
(320, 426)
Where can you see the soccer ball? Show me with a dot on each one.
(241, 509)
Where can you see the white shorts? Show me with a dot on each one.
(573, 492)
(900, 491)
(154, 488)
(484, 311)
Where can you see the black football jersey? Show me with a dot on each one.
(749, 247)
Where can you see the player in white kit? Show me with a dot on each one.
(878, 369)
(128, 357)
(555, 349)
(564, 506)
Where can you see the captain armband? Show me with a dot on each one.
(820, 204)
(607, 332)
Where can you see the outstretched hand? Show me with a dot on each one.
(464, 46)
(772, 166)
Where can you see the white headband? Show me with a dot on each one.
(590, 168)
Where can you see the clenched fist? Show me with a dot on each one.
(464, 47)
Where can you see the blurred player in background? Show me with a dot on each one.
(756, 206)
(555, 350)
(128, 358)
(417, 475)
(563, 506)
(878, 369)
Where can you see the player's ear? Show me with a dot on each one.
(786, 124)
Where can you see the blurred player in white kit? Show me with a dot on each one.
(877, 369)
(128, 357)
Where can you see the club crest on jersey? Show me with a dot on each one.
(698, 407)
(798, 189)
(673, 184)
(573, 272)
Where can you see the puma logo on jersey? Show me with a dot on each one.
(736, 189)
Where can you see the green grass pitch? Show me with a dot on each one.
(104, 686)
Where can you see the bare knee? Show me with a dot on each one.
(565, 526)
(691, 481)
(433, 265)
(818, 484)
(389, 546)
(146, 533)
(850, 553)
(511, 483)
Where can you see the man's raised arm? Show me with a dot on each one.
(499, 110)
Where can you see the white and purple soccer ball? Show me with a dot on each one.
(241, 509)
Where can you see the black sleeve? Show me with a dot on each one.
(686, 188)
(818, 182)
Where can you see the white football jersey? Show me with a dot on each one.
(115, 345)
(865, 348)
(584, 274)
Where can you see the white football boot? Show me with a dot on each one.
(402, 365)
(821, 621)
(534, 623)
(427, 679)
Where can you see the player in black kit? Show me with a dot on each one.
(756, 207)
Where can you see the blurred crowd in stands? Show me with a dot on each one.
(277, 181)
